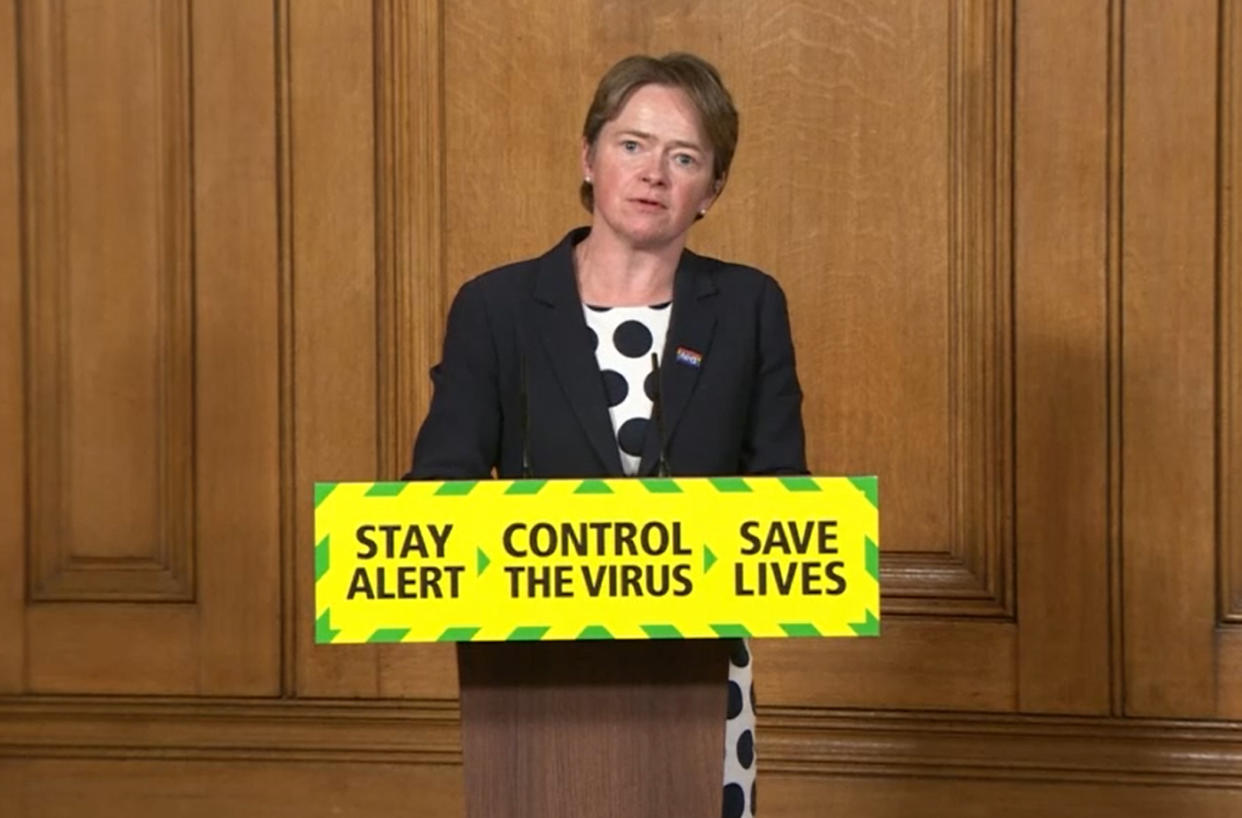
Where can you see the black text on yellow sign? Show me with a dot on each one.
(591, 559)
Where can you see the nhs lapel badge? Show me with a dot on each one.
(689, 357)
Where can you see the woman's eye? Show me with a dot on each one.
(685, 160)
(629, 145)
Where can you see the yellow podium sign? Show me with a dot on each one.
(497, 560)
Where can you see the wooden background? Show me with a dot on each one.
(228, 234)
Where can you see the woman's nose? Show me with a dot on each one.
(654, 173)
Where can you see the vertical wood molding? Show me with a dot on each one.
(1229, 339)
(411, 285)
(975, 576)
(164, 569)
(1170, 367)
(288, 418)
(13, 439)
(1116, 121)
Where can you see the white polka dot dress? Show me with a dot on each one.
(624, 339)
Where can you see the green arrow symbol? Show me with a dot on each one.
(483, 562)
(709, 559)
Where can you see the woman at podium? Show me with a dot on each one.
(619, 352)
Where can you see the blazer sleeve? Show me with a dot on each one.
(774, 441)
(460, 438)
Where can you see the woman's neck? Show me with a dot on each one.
(611, 274)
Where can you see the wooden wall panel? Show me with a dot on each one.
(151, 354)
(240, 789)
(1168, 365)
(12, 372)
(330, 119)
(1061, 187)
(107, 201)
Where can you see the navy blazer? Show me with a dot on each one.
(738, 410)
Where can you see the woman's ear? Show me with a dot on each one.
(587, 157)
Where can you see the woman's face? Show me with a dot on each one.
(651, 169)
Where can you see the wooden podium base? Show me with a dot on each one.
(608, 729)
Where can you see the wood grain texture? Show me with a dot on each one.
(246, 789)
(606, 729)
(788, 797)
(1228, 310)
(237, 345)
(12, 374)
(225, 642)
(107, 195)
(335, 301)
(1169, 370)
(413, 297)
(1061, 309)
(966, 666)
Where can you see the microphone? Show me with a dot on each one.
(657, 414)
(524, 399)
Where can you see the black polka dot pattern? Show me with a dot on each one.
(746, 749)
(625, 338)
(735, 701)
(632, 339)
(740, 765)
(615, 387)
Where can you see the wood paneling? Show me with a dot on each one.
(241, 789)
(151, 356)
(1168, 368)
(108, 280)
(228, 235)
(1060, 253)
(12, 375)
(413, 290)
(788, 797)
(335, 302)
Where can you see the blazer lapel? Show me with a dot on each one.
(690, 332)
(563, 331)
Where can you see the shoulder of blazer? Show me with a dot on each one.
(733, 281)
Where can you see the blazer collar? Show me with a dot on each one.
(565, 336)
(690, 332)
(563, 329)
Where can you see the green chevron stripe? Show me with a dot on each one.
(661, 631)
(593, 487)
(456, 488)
(528, 633)
(709, 559)
(482, 562)
(870, 487)
(729, 485)
(390, 489)
(800, 484)
(322, 490)
(321, 558)
(800, 629)
(324, 632)
(387, 635)
(868, 627)
(458, 634)
(526, 486)
(872, 558)
(661, 485)
(595, 632)
(731, 631)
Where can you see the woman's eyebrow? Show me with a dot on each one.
(676, 143)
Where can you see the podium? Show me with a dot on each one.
(594, 619)
(604, 729)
